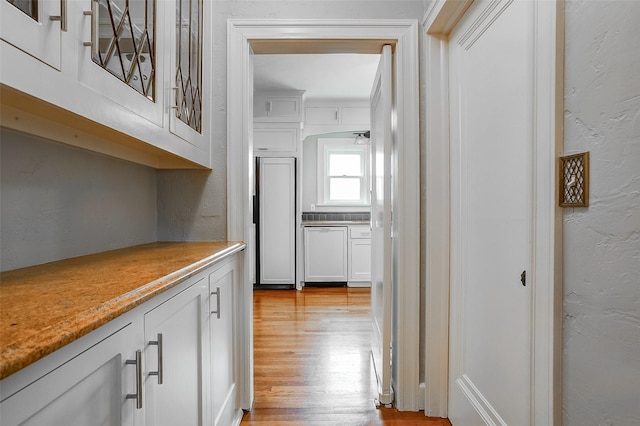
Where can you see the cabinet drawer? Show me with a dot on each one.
(360, 232)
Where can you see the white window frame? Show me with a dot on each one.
(346, 146)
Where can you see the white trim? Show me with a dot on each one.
(331, 36)
(439, 20)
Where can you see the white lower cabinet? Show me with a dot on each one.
(92, 388)
(325, 254)
(222, 285)
(359, 255)
(175, 358)
(171, 361)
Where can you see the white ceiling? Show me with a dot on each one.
(322, 76)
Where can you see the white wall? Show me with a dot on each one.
(601, 368)
(57, 201)
(201, 214)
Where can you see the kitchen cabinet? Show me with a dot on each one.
(359, 255)
(323, 116)
(34, 27)
(126, 65)
(325, 254)
(279, 138)
(222, 288)
(278, 107)
(128, 95)
(356, 116)
(96, 386)
(176, 363)
(171, 360)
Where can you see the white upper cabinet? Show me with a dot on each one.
(356, 116)
(124, 78)
(35, 28)
(120, 60)
(321, 115)
(335, 115)
(189, 91)
(276, 137)
(280, 107)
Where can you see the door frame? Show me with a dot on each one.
(438, 22)
(333, 36)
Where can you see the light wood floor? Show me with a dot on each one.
(312, 361)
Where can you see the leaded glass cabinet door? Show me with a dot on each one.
(186, 117)
(35, 27)
(122, 56)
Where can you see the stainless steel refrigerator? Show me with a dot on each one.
(274, 218)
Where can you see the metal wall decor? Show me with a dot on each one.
(574, 180)
(188, 89)
(123, 41)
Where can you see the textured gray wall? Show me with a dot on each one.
(193, 205)
(57, 201)
(601, 368)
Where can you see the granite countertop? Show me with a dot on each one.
(45, 307)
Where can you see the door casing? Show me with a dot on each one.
(334, 36)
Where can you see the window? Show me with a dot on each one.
(343, 172)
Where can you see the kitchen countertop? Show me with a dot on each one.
(45, 307)
(334, 222)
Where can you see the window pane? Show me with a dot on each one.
(344, 189)
(345, 165)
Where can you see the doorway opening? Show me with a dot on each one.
(359, 36)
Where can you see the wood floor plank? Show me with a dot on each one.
(312, 361)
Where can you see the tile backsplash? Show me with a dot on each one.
(337, 216)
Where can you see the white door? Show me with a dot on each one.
(35, 28)
(276, 225)
(174, 362)
(491, 95)
(381, 225)
(222, 285)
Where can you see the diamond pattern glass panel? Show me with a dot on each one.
(124, 42)
(189, 63)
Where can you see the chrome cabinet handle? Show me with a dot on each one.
(62, 17)
(159, 372)
(176, 93)
(88, 13)
(138, 363)
(217, 293)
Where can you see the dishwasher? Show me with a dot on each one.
(325, 254)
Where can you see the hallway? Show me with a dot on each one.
(312, 361)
